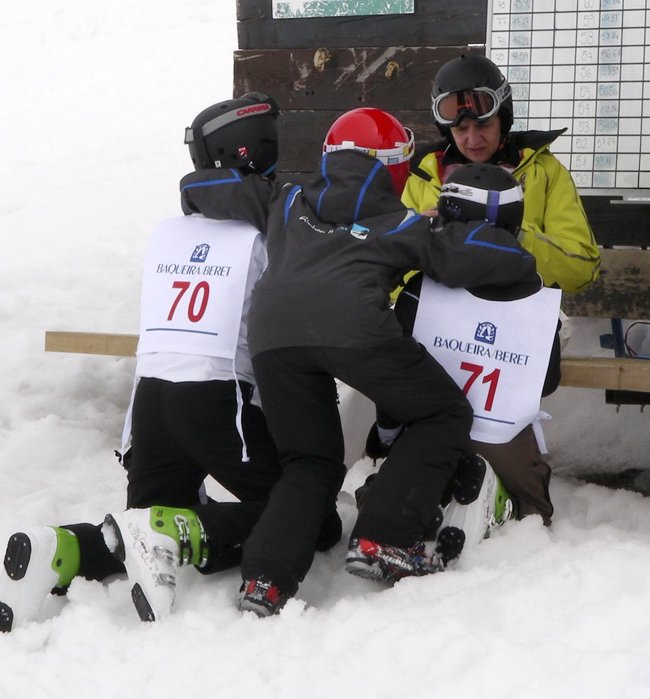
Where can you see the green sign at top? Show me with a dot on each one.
(292, 9)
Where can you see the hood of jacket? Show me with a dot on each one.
(350, 186)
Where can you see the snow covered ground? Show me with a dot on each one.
(94, 100)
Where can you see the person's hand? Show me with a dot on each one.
(430, 213)
(380, 440)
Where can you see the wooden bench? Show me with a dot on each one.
(622, 292)
(579, 372)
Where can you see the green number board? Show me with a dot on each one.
(292, 9)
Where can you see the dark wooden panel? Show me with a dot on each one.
(433, 24)
(618, 224)
(394, 77)
(622, 291)
(253, 9)
(302, 134)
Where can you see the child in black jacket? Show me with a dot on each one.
(512, 452)
(337, 245)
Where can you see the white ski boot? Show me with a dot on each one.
(36, 561)
(152, 543)
(478, 505)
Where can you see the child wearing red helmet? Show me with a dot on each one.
(337, 244)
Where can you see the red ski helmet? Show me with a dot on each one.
(375, 133)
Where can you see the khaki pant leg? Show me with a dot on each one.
(523, 472)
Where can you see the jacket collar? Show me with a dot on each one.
(509, 153)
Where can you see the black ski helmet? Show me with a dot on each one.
(240, 133)
(482, 192)
(467, 72)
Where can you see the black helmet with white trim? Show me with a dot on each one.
(482, 192)
(238, 133)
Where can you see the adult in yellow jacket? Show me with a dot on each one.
(472, 107)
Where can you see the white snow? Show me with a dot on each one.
(94, 101)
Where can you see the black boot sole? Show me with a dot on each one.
(17, 556)
(142, 606)
(6, 617)
(468, 480)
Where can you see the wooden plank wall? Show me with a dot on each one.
(319, 68)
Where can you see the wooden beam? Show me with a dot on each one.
(91, 343)
(606, 373)
(578, 372)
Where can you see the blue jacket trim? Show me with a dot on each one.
(328, 182)
(364, 188)
(289, 201)
(236, 177)
(269, 170)
(481, 243)
(409, 221)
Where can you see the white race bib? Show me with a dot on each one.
(193, 286)
(496, 351)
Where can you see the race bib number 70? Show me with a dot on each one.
(194, 285)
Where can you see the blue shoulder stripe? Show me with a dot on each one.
(288, 202)
(410, 219)
(470, 240)
(236, 177)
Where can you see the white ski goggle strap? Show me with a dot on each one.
(388, 156)
(491, 198)
(480, 103)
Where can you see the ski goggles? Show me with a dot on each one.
(480, 103)
(388, 156)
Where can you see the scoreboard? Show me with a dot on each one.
(581, 64)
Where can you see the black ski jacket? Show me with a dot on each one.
(339, 244)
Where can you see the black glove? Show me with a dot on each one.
(375, 447)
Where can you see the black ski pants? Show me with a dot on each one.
(182, 433)
(298, 392)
